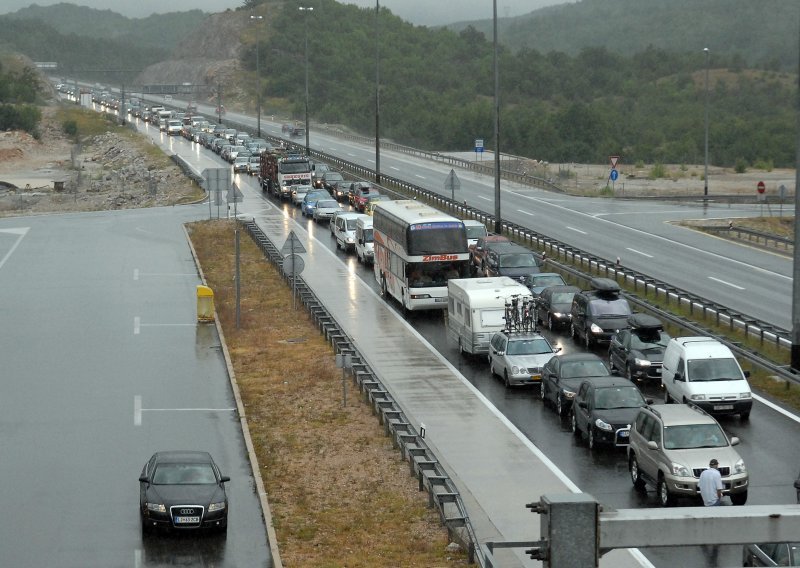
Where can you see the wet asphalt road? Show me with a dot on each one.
(103, 364)
(770, 442)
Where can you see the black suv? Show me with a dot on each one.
(638, 352)
(598, 313)
(510, 259)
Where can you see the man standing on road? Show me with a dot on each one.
(711, 485)
(711, 492)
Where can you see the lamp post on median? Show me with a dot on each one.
(377, 96)
(306, 10)
(498, 223)
(705, 171)
(258, 78)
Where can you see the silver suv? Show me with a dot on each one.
(671, 445)
(519, 357)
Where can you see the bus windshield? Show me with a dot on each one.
(436, 238)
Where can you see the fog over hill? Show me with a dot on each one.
(420, 12)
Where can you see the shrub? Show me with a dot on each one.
(658, 171)
(741, 166)
(765, 165)
(70, 128)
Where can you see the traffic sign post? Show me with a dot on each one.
(478, 147)
(292, 263)
(614, 174)
(452, 183)
(216, 179)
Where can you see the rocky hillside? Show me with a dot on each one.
(208, 56)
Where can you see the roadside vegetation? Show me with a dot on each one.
(340, 494)
(19, 95)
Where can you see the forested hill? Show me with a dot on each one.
(762, 32)
(159, 31)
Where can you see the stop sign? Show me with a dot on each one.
(761, 187)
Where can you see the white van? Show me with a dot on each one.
(345, 230)
(475, 230)
(365, 246)
(476, 309)
(704, 372)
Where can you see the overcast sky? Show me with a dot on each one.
(424, 12)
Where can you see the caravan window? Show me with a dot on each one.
(493, 318)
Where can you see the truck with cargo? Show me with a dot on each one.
(476, 310)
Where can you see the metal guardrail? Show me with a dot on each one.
(423, 463)
(557, 250)
(759, 238)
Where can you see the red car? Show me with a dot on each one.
(361, 198)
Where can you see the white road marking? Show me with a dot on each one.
(21, 232)
(394, 168)
(577, 230)
(651, 235)
(136, 274)
(137, 410)
(419, 176)
(726, 283)
(188, 409)
(777, 408)
(525, 212)
(640, 252)
(137, 322)
(167, 324)
(486, 198)
(137, 558)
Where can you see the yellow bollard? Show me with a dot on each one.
(205, 303)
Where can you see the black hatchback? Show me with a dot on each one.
(604, 409)
(182, 490)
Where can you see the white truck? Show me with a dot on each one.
(476, 310)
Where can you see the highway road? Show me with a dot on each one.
(644, 235)
(770, 440)
(103, 364)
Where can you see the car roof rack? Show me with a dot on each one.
(644, 321)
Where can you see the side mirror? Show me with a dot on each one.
(797, 483)
(734, 441)
(583, 404)
(649, 400)
(747, 374)
(224, 479)
(651, 445)
(678, 377)
(557, 349)
(144, 479)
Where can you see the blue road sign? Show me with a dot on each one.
(614, 175)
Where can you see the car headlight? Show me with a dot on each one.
(739, 467)
(568, 393)
(603, 425)
(594, 328)
(517, 370)
(156, 507)
(697, 397)
(641, 362)
(558, 315)
(681, 470)
(745, 395)
(216, 506)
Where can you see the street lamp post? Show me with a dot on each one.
(498, 223)
(705, 171)
(377, 96)
(306, 10)
(258, 78)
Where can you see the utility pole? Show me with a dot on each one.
(219, 102)
(258, 78)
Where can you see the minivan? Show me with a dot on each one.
(510, 259)
(704, 372)
(365, 247)
(345, 230)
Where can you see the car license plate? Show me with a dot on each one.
(440, 300)
(186, 520)
(536, 377)
(624, 434)
(723, 407)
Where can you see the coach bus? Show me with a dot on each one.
(417, 249)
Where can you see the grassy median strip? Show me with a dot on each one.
(340, 494)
